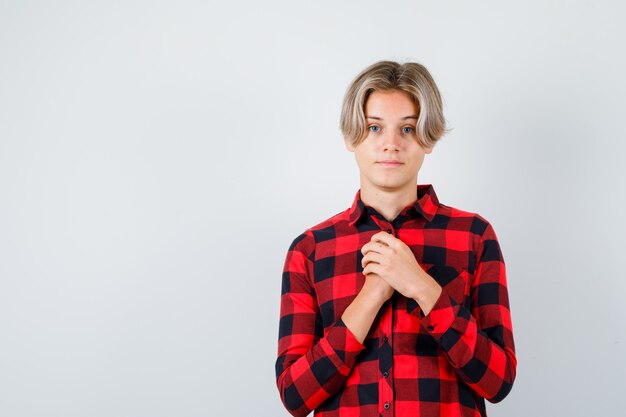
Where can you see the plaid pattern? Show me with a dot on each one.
(443, 364)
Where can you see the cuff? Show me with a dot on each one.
(341, 346)
(441, 316)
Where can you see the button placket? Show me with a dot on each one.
(385, 359)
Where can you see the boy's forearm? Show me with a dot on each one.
(360, 314)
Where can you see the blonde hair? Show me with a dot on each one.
(411, 78)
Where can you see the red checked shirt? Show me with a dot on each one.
(443, 364)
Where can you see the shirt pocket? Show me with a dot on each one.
(454, 279)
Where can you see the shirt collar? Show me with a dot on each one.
(426, 204)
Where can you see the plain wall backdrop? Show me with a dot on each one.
(158, 158)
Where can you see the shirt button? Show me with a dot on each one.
(430, 328)
(389, 231)
(385, 339)
(386, 406)
(385, 374)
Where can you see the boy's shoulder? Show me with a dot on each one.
(455, 212)
(324, 230)
(460, 219)
(332, 221)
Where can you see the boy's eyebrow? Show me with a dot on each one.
(380, 118)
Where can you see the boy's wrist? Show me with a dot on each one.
(426, 293)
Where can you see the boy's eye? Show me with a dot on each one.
(407, 129)
(373, 128)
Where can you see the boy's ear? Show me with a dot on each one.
(349, 145)
(428, 150)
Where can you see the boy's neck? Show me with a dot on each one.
(389, 203)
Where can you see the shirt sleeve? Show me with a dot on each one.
(478, 341)
(313, 363)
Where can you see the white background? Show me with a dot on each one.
(158, 158)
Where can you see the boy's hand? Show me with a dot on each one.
(393, 261)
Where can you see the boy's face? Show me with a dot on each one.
(389, 157)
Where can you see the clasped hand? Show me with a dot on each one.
(392, 260)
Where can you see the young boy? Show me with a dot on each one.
(397, 306)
